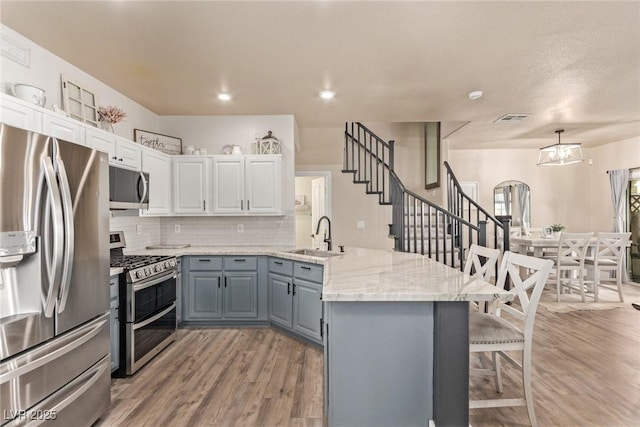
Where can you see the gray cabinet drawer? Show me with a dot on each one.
(309, 272)
(281, 266)
(240, 263)
(205, 263)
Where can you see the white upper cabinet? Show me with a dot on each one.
(102, 141)
(247, 185)
(127, 153)
(62, 127)
(190, 186)
(158, 165)
(15, 113)
(228, 185)
(264, 185)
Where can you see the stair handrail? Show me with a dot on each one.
(432, 204)
(466, 196)
(366, 129)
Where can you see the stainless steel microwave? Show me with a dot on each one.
(128, 189)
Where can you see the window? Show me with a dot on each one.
(79, 102)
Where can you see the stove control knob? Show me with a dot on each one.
(157, 268)
(147, 271)
(167, 264)
(138, 274)
(173, 262)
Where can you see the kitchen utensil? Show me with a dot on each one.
(29, 93)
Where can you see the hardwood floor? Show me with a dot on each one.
(586, 373)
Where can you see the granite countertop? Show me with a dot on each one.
(114, 271)
(371, 275)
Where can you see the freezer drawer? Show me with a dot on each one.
(33, 376)
(79, 403)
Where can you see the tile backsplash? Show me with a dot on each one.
(207, 231)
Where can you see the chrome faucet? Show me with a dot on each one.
(327, 240)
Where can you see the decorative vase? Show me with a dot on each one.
(105, 125)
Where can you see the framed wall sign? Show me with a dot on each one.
(431, 155)
(165, 143)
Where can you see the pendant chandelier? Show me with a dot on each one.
(560, 154)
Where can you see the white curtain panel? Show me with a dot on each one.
(619, 180)
(522, 192)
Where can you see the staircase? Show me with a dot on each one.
(419, 225)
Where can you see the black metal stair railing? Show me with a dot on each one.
(418, 225)
(460, 204)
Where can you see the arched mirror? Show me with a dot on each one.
(513, 198)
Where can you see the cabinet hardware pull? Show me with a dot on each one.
(218, 281)
(240, 260)
(277, 262)
(294, 288)
(321, 327)
(304, 267)
(204, 260)
(288, 288)
(241, 205)
(204, 205)
(225, 281)
(248, 205)
(121, 159)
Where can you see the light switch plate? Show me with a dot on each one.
(138, 228)
(360, 225)
(176, 228)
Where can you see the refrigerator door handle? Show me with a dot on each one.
(54, 263)
(69, 235)
(57, 349)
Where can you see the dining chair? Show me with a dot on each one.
(607, 256)
(481, 263)
(569, 262)
(491, 332)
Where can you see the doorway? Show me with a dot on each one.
(313, 201)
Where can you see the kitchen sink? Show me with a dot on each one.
(315, 252)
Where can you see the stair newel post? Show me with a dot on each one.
(482, 233)
(391, 155)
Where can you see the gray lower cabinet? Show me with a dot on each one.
(295, 297)
(222, 288)
(205, 295)
(114, 323)
(179, 290)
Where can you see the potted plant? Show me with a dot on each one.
(556, 229)
(109, 116)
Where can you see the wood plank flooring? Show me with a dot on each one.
(586, 373)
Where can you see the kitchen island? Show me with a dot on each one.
(395, 334)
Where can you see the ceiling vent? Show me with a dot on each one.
(512, 118)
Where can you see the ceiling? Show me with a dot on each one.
(569, 64)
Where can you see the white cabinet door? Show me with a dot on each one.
(62, 127)
(158, 165)
(17, 115)
(102, 141)
(128, 153)
(228, 185)
(264, 186)
(190, 186)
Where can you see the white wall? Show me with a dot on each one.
(45, 71)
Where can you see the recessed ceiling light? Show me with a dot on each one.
(476, 94)
(327, 94)
(224, 97)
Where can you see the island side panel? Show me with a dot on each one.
(380, 363)
(451, 364)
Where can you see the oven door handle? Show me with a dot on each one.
(154, 318)
(144, 285)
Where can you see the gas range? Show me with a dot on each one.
(138, 267)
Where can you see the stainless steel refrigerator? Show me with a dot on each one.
(54, 281)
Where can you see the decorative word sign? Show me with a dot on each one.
(165, 143)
